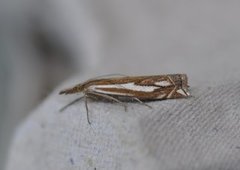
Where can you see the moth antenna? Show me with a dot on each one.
(71, 103)
(69, 91)
(75, 89)
(107, 76)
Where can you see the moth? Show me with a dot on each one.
(135, 88)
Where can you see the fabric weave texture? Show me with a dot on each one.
(201, 132)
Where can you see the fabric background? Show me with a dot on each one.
(202, 132)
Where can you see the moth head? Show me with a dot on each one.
(76, 89)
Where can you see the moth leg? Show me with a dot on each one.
(71, 103)
(109, 98)
(86, 105)
(141, 102)
(86, 96)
